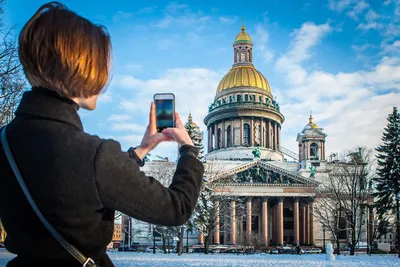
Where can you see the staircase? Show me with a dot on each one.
(289, 153)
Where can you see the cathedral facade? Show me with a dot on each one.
(260, 192)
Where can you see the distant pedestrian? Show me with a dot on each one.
(79, 180)
(298, 250)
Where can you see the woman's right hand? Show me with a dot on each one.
(179, 133)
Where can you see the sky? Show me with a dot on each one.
(339, 59)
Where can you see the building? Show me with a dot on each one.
(244, 138)
(2, 233)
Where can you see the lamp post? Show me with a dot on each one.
(154, 240)
(187, 239)
(323, 230)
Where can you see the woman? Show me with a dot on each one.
(78, 180)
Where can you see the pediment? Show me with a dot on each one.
(263, 173)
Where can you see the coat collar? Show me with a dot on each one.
(48, 104)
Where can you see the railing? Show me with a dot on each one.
(289, 153)
(274, 106)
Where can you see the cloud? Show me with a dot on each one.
(351, 107)
(147, 10)
(181, 15)
(370, 22)
(194, 89)
(362, 48)
(105, 97)
(119, 117)
(304, 39)
(358, 9)
(393, 48)
(340, 5)
(263, 38)
(228, 20)
(120, 16)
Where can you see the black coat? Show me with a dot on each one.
(78, 181)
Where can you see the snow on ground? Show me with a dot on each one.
(128, 259)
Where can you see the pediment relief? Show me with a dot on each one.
(262, 173)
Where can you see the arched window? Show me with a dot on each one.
(246, 134)
(219, 138)
(228, 136)
(314, 153)
(248, 56)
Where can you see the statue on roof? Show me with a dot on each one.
(312, 171)
(256, 152)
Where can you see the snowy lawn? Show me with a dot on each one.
(125, 259)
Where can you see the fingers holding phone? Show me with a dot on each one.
(179, 133)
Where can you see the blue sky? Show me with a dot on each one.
(338, 58)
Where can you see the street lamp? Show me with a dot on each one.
(154, 240)
(323, 229)
(187, 239)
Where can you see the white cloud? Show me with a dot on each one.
(262, 40)
(340, 5)
(105, 97)
(121, 15)
(228, 20)
(352, 107)
(181, 15)
(370, 22)
(358, 9)
(304, 39)
(119, 117)
(362, 48)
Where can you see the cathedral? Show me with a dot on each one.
(267, 195)
(260, 189)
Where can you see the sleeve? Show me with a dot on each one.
(122, 186)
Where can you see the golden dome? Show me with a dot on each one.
(243, 76)
(243, 36)
(311, 123)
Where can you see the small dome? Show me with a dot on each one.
(243, 36)
(243, 76)
(311, 124)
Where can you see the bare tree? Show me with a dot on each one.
(342, 201)
(12, 82)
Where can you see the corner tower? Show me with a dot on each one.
(311, 145)
(244, 114)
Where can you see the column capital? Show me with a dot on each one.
(265, 199)
(296, 199)
(280, 199)
(249, 199)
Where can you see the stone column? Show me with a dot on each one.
(233, 222)
(209, 138)
(241, 131)
(248, 221)
(296, 221)
(273, 226)
(264, 219)
(275, 136)
(201, 238)
(278, 137)
(303, 224)
(311, 231)
(323, 155)
(217, 220)
(269, 134)
(216, 136)
(223, 135)
(261, 133)
(280, 221)
(251, 131)
(307, 225)
(232, 130)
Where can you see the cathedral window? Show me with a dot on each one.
(248, 56)
(260, 98)
(246, 134)
(239, 98)
(314, 151)
(228, 136)
(243, 57)
(246, 97)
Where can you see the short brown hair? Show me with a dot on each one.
(65, 52)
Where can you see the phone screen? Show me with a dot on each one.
(164, 113)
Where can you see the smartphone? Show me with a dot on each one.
(165, 111)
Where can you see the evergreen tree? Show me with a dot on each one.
(195, 134)
(387, 184)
